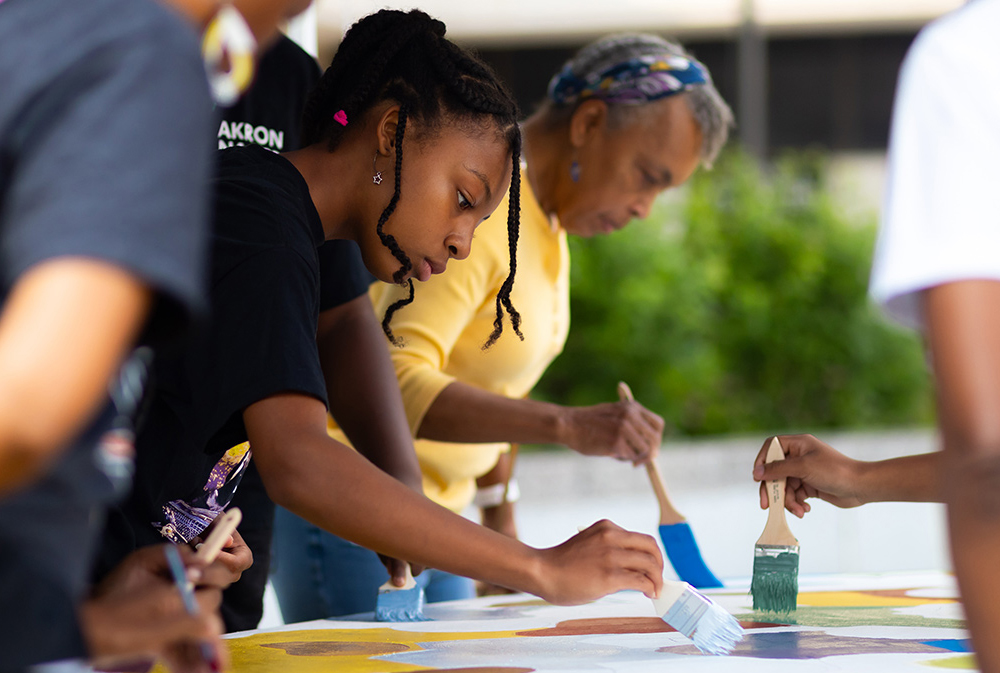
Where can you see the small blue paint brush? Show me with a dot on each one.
(711, 628)
(775, 583)
(400, 604)
(675, 532)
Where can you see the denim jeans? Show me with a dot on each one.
(316, 574)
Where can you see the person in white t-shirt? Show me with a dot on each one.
(937, 268)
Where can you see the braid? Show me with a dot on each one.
(387, 239)
(484, 99)
(513, 230)
(387, 318)
(385, 56)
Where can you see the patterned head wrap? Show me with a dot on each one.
(633, 82)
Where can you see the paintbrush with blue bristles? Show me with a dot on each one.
(675, 532)
(775, 583)
(400, 604)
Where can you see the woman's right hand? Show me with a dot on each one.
(624, 430)
(813, 469)
(598, 561)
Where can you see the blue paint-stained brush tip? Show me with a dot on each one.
(400, 605)
(685, 557)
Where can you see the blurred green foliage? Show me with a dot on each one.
(741, 307)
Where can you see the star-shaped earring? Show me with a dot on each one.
(377, 178)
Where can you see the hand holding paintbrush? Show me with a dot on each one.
(183, 584)
(221, 535)
(135, 613)
(775, 583)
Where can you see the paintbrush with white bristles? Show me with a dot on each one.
(708, 625)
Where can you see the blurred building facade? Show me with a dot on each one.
(798, 73)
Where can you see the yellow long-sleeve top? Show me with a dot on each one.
(450, 319)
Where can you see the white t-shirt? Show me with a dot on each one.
(941, 215)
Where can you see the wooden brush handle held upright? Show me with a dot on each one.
(668, 513)
(224, 526)
(776, 531)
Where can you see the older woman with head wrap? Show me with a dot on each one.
(627, 118)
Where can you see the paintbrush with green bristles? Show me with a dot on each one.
(775, 583)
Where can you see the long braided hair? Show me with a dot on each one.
(404, 57)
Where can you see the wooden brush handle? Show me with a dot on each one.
(224, 526)
(776, 531)
(668, 513)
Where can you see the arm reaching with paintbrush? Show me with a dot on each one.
(364, 397)
(815, 469)
(333, 487)
(624, 430)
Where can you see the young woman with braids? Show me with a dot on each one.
(410, 143)
(627, 118)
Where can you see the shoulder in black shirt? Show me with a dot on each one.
(260, 341)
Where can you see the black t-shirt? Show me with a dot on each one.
(103, 131)
(270, 115)
(265, 300)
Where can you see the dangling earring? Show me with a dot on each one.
(377, 178)
(228, 41)
(574, 171)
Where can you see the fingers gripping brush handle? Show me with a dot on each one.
(776, 531)
(224, 526)
(775, 583)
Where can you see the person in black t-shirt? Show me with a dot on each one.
(360, 382)
(410, 143)
(270, 112)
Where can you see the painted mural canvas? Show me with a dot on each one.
(857, 623)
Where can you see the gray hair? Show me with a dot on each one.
(710, 111)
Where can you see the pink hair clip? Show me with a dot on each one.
(340, 117)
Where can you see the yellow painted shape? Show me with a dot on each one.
(860, 599)
(251, 655)
(966, 662)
